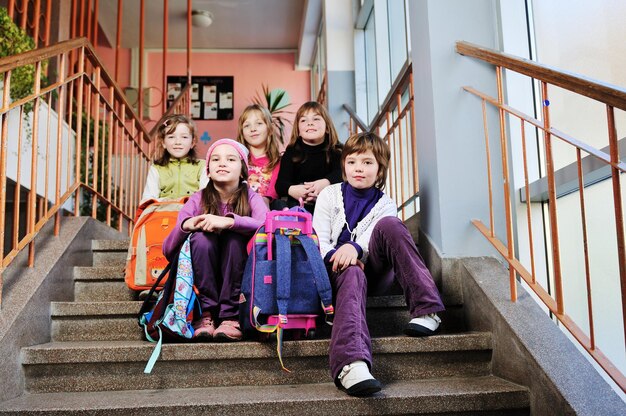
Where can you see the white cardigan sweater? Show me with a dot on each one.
(330, 218)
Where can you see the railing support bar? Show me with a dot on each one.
(619, 212)
(554, 233)
(507, 185)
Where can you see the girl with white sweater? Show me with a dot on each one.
(365, 246)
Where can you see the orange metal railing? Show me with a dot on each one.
(395, 123)
(32, 17)
(181, 105)
(611, 97)
(73, 145)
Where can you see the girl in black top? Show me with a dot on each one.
(311, 162)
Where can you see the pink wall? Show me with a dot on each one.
(250, 71)
(107, 56)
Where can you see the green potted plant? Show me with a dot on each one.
(276, 101)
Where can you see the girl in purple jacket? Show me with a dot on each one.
(221, 218)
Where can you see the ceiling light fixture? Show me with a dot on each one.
(201, 18)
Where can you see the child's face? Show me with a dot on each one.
(255, 131)
(225, 165)
(312, 128)
(179, 142)
(361, 169)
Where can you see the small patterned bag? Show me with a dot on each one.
(171, 317)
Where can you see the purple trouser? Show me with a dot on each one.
(218, 262)
(392, 253)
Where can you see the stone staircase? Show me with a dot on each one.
(94, 364)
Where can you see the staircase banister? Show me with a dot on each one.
(8, 63)
(93, 57)
(604, 92)
(36, 55)
(401, 79)
(355, 117)
(170, 110)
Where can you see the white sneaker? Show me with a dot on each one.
(423, 325)
(357, 380)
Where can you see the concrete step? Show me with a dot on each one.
(117, 320)
(477, 395)
(101, 283)
(109, 252)
(118, 365)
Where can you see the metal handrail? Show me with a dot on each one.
(395, 123)
(181, 105)
(613, 97)
(86, 151)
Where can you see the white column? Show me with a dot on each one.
(450, 135)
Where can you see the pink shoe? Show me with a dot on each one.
(204, 328)
(228, 331)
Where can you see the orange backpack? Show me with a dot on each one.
(145, 260)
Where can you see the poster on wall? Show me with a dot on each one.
(212, 97)
(173, 89)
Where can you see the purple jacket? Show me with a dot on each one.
(243, 225)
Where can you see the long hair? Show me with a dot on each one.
(161, 156)
(331, 139)
(238, 201)
(271, 143)
(362, 142)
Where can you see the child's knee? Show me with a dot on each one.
(352, 276)
(389, 225)
(202, 241)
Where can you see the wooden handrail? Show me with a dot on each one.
(612, 97)
(597, 90)
(401, 79)
(395, 122)
(360, 123)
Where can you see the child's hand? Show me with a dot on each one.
(314, 188)
(345, 256)
(298, 191)
(208, 223)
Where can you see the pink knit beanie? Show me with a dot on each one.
(240, 148)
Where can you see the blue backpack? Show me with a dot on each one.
(285, 283)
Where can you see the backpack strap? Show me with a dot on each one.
(319, 271)
(283, 274)
(147, 303)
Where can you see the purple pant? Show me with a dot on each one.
(218, 262)
(392, 253)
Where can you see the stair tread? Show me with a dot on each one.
(129, 307)
(423, 396)
(87, 273)
(132, 307)
(110, 245)
(125, 351)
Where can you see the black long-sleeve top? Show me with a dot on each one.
(312, 167)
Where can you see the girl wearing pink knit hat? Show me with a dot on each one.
(221, 218)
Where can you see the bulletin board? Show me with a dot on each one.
(211, 96)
